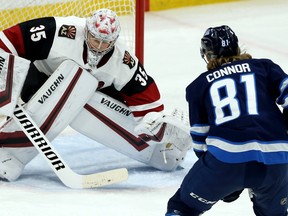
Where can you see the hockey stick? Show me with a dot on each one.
(59, 166)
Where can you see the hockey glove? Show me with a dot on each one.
(172, 128)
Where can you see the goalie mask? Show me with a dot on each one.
(101, 32)
(219, 42)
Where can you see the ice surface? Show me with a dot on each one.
(172, 57)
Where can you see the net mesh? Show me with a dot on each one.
(15, 11)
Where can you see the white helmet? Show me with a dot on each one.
(102, 30)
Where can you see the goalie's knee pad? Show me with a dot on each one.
(10, 167)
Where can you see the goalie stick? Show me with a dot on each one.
(59, 166)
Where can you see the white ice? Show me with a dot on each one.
(172, 57)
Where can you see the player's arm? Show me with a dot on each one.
(143, 98)
(31, 40)
(141, 94)
(197, 119)
(285, 115)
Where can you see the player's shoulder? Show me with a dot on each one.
(264, 64)
(71, 21)
(124, 55)
(122, 47)
(197, 84)
(199, 79)
(70, 27)
(37, 24)
(261, 61)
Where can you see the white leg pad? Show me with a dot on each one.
(10, 167)
(167, 157)
(58, 101)
(111, 123)
(13, 71)
(52, 108)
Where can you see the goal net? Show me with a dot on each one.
(15, 11)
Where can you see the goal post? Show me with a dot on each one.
(139, 29)
(130, 12)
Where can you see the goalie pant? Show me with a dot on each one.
(102, 119)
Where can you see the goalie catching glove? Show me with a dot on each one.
(171, 128)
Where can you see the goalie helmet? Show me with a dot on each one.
(219, 42)
(101, 32)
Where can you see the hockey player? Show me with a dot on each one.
(81, 75)
(238, 131)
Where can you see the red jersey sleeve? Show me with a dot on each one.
(144, 96)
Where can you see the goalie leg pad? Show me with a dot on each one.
(10, 167)
(52, 108)
(167, 157)
(61, 98)
(56, 103)
(111, 123)
(13, 71)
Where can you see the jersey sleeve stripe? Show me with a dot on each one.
(146, 106)
(8, 44)
(144, 112)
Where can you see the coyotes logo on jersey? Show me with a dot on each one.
(67, 31)
(128, 60)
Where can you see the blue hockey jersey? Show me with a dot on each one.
(235, 114)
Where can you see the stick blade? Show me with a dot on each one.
(104, 178)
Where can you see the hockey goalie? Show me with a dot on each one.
(75, 71)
